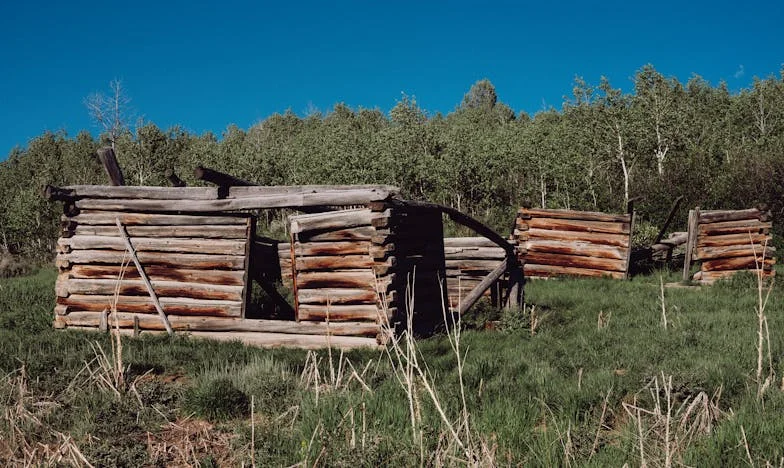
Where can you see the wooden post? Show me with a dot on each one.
(144, 277)
(630, 210)
(109, 161)
(691, 241)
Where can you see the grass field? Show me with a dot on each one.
(599, 381)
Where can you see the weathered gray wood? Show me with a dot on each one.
(347, 197)
(709, 277)
(86, 257)
(732, 239)
(576, 248)
(109, 160)
(616, 240)
(155, 244)
(738, 263)
(145, 279)
(472, 297)
(161, 288)
(573, 225)
(362, 233)
(182, 231)
(576, 261)
(342, 262)
(330, 221)
(159, 273)
(474, 252)
(225, 324)
(332, 248)
(337, 296)
(479, 242)
(527, 213)
(536, 270)
(718, 216)
(749, 250)
(103, 218)
(691, 241)
(472, 264)
(359, 279)
(143, 304)
(628, 259)
(735, 227)
(338, 313)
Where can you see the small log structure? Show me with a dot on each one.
(726, 242)
(197, 254)
(574, 243)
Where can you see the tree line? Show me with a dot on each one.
(601, 149)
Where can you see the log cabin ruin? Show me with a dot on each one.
(186, 259)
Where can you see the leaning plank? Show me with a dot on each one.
(187, 231)
(103, 218)
(145, 279)
(576, 225)
(576, 248)
(337, 296)
(338, 313)
(607, 264)
(718, 216)
(143, 305)
(616, 240)
(335, 220)
(347, 197)
(161, 288)
(708, 253)
(575, 215)
(479, 290)
(153, 244)
(331, 248)
(109, 160)
(84, 257)
(223, 324)
(533, 270)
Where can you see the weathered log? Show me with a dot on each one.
(150, 192)
(183, 231)
(337, 296)
(361, 233)
(156, 244)
(575, 225)
(276, 340)
(735, 227)
(360, 279)
(709, 277)
(330, 221)
(225, 324)
(347, 197)
(732, 239)
(161, 288)
(708, 253)
(738, 263)
(468, 242)
(616, 240)
(534, 270)
(576, 248)
(338, 313)
(381, 252)
(540, 258)
(109, 160)
(528, 213)
(159, 273)
(344, 262)
(474, 252)
(719, 216)
(144, 305)
(102, 218)
(82, 257)
(691, 241)
(308, 249)
(472, 264)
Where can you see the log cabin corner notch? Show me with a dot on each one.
(197, 247)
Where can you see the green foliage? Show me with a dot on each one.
(217, 400)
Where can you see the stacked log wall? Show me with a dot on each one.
(573, 243)
(337, 271)
(468, 261)
(197, 265)
(730, 241)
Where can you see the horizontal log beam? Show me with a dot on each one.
(159, 273)
(574, 225)
(330, 221)
(338, 313)
(576, 248)
(616, 240)
(144, 305)
(575, 261)
(738, 263)
(718, 216)
(362, 233)
(111, 257)
(307, 249)
(732, 239)
(734, 227)
(709, 253)
(341, 262)
(162, 289)
(102, 218)
(213, 231)
(528, 213)
(336, 296)
(546, 271)
(154, 244)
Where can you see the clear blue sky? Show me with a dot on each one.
(205, 66)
